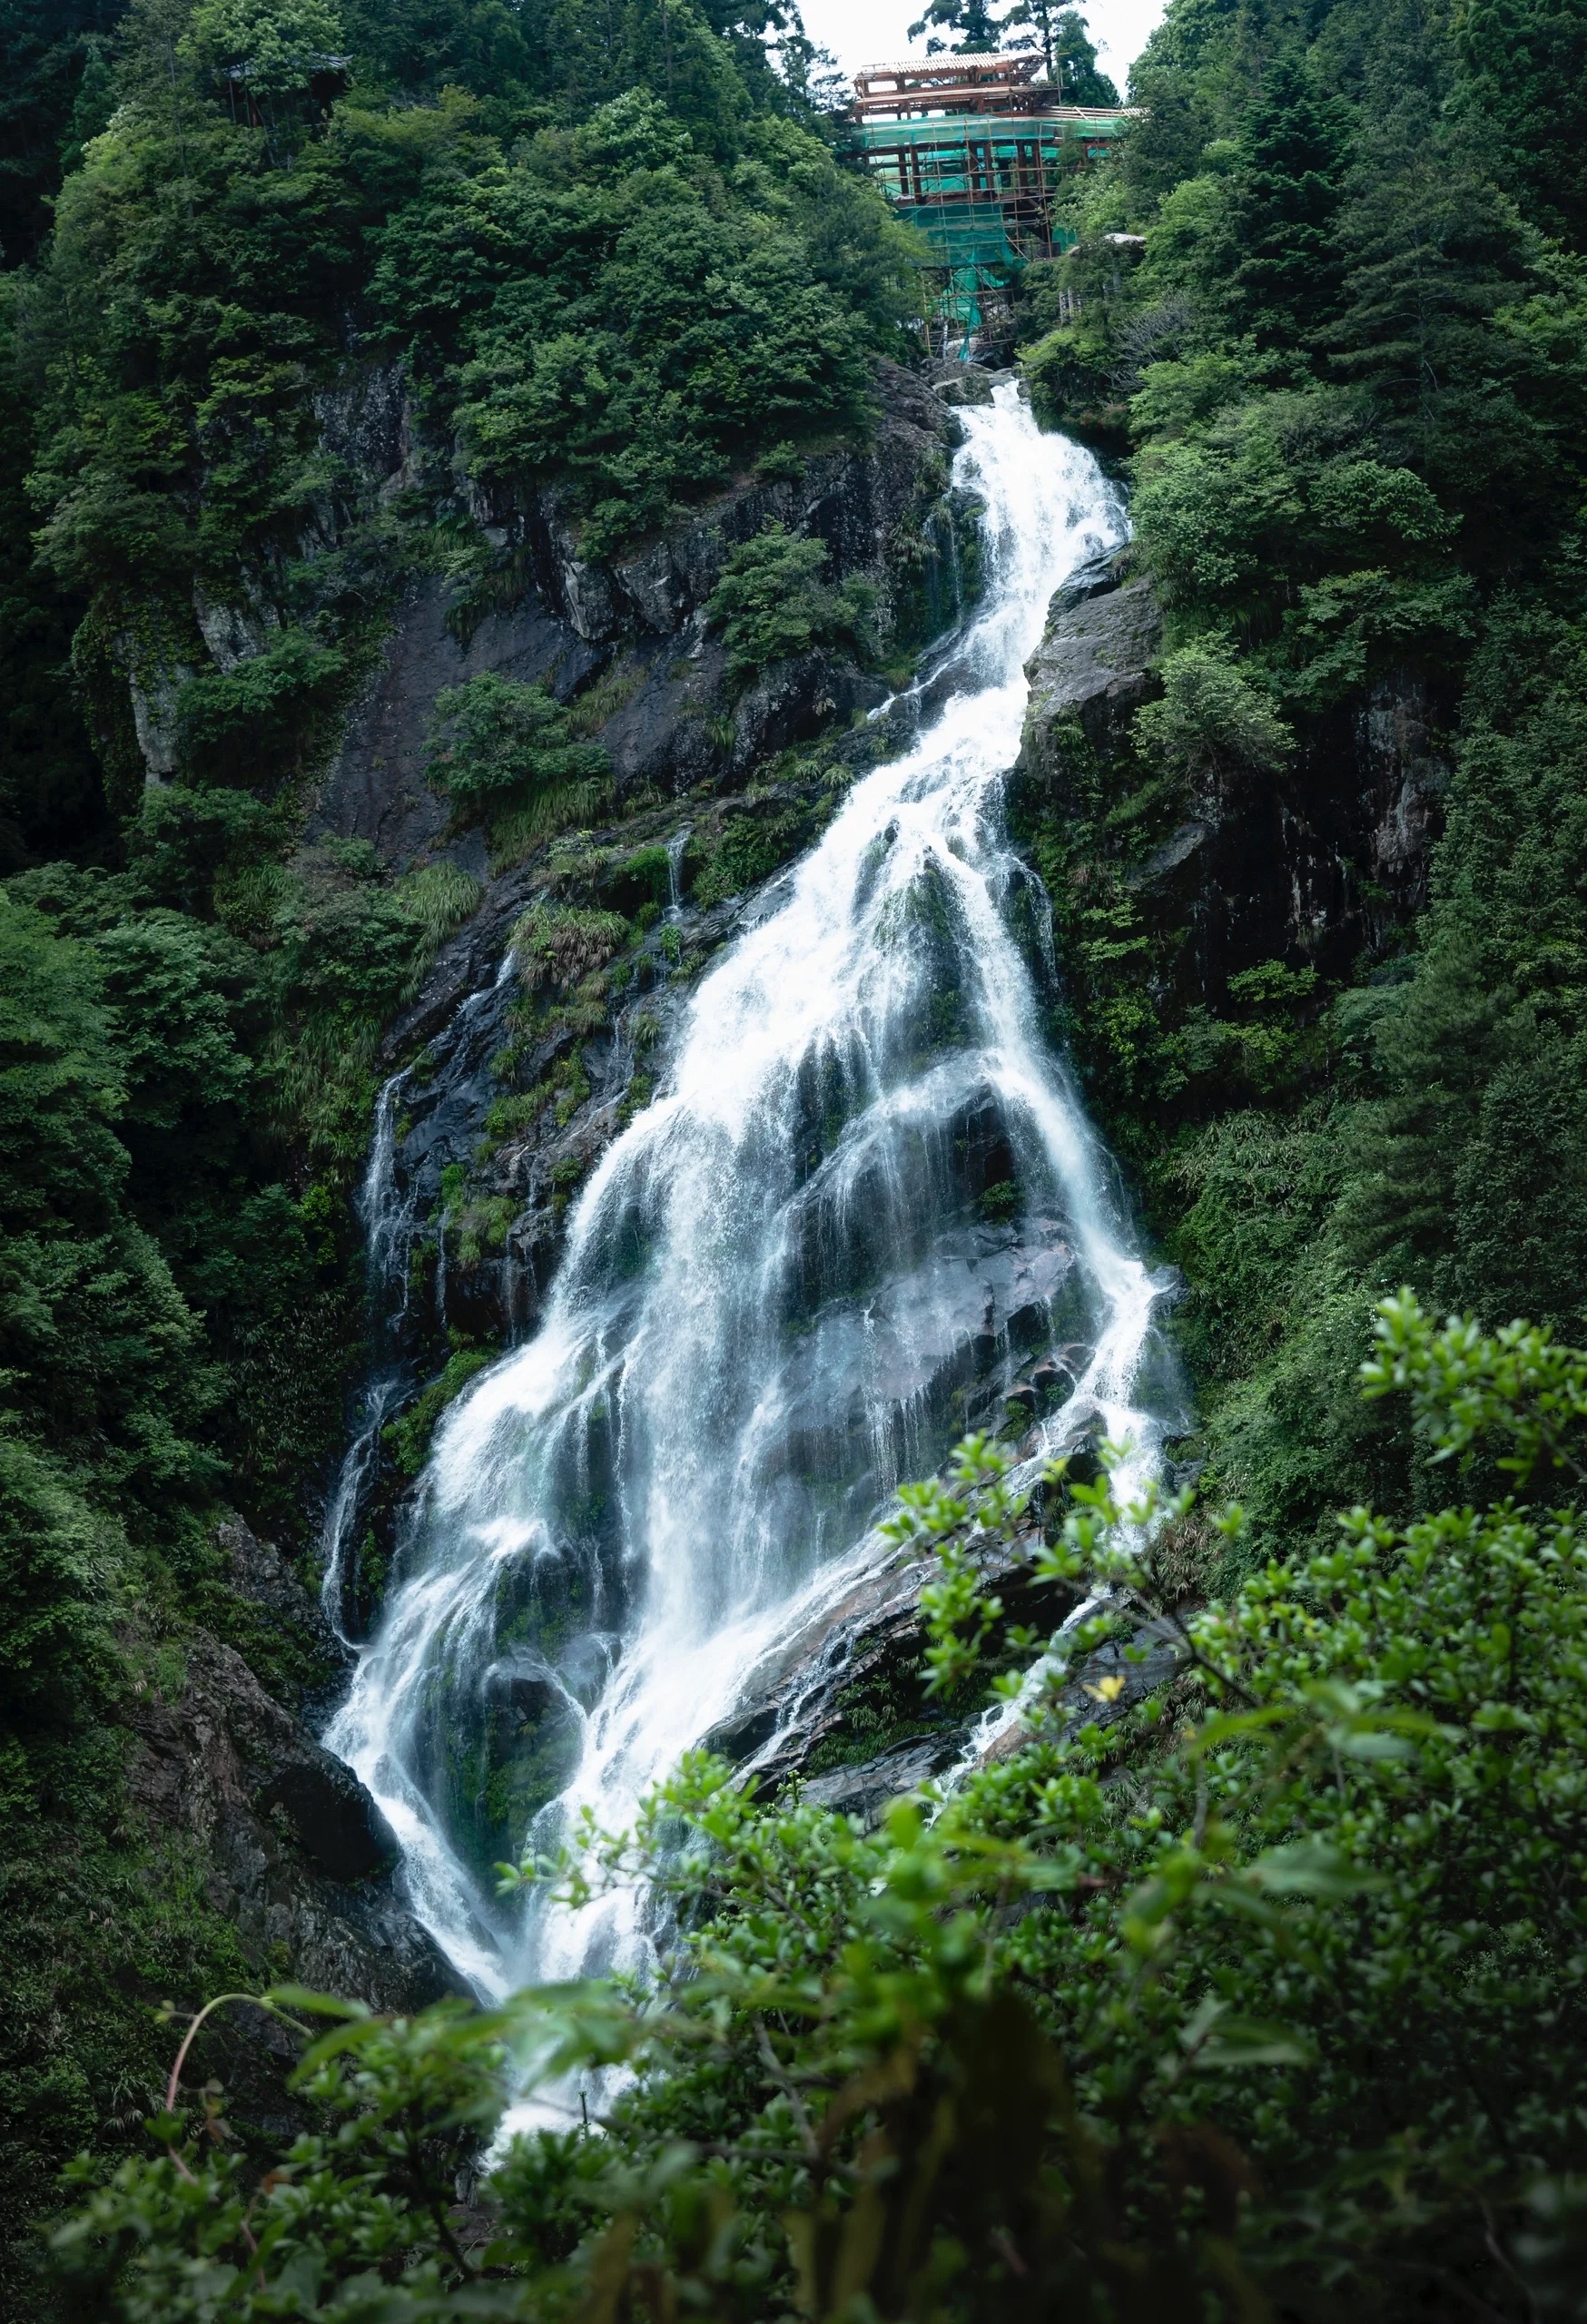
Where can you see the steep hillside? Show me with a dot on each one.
(1321, 904)
(472, 507)
(391, 394)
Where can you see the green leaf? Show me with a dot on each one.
(314, 2004)
(1252, 2042)
(1308, 1868)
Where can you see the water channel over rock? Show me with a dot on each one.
(864, 1190)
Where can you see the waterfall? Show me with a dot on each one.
(386, 1214)
(864, 1191)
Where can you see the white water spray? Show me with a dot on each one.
(866, 1190)
(387, 1218)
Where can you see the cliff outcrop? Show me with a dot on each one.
(290, 1847)
(1092, 669)
(1166, 891)
(630, 637)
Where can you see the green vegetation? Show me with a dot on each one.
(184, 1099)
(1253, 1991)
(770, 604)
(561, 945)
(505, 752)
(641, 390)
(407, 1438)
(1347, 363)
(745, 850)
(1212, 723)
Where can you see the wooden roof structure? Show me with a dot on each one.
(975, 151)
(994, 83)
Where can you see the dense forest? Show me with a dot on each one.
(1256, 1993)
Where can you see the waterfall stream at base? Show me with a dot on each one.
(865, 1180)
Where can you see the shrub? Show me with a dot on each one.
(1256, 1965)
(1211, 722)
(504, 749)
(408, 1438)
(253, 724)
(440, 897)
(770, 606)
(561, 944)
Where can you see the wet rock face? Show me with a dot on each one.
(511, 1093)
(961, 384)
(853, 501)
(511, 1090)
(842, 1708)
(517, 1074)
(1092, 669)
(590, 1043)
(317, 1660)
(294, 1850)
(1312, 864)
(529, 1070)
(1399, 749)
(377, 790)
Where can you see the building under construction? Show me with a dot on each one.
(974, 151)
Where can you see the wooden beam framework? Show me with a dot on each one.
(974, 151)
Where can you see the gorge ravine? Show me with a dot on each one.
(865, 1178)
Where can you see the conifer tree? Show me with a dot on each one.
(1287, 194)
(1527, 97)
(1069, 55)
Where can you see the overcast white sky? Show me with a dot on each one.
(872, 32)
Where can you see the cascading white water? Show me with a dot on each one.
(386, 1219)
(865, 1186)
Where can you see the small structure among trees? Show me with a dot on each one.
(974, 148)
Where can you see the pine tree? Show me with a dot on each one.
(1060, 33)
(973, 18)
(1286, 193)
(1525, 63)
(1431, 250)
(1071, 56)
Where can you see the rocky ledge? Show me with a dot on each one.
(1093, 668)
(840, 1708)
(292, 1849)
(1310, 863)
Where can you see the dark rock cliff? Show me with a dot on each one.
(1092, 669)
(631, 636)
(842, 1707)
(1314, 865)
(292, 1849)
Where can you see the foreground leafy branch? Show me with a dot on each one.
(1257, 1994)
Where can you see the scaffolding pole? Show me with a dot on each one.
(974, 152)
